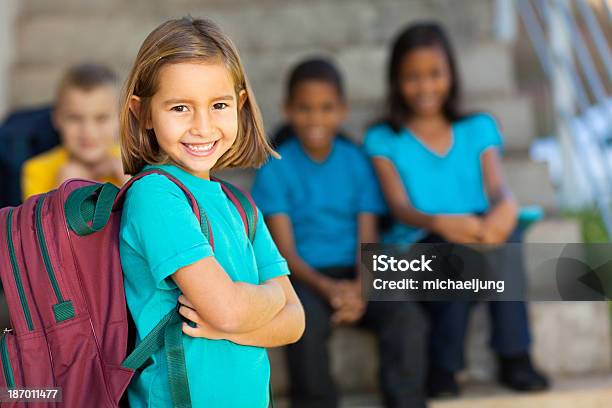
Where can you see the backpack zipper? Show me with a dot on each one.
(63, 310)
(6, 363)
(16, 272)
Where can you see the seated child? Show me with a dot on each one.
(85, 116)
(441, 173)
(320, 201)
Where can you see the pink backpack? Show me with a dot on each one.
(62, 278)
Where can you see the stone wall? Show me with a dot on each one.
(271, 35)
(8, 17)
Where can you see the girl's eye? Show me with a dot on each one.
(328, 107)
(179, 108)
(220, 105)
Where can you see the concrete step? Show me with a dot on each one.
(529, 181)
(569, 338)
(514, 112)
(263, 25)
(583, 392)
(584, 352)
(554, 230)
(486, 68)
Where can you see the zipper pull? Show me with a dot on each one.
(6, 331)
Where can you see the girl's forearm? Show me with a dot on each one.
(505, 213)
(408, 215)
(254, 306)
(285, 328)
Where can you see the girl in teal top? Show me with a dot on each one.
(188, 109)
(441, 175)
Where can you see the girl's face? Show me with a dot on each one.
(315, 113)
(194, 114)
(425, 80)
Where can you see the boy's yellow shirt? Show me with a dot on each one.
(39, 174)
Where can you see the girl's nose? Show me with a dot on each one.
(202, 124)
(427, 86)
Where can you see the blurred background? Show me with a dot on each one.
(542, 68)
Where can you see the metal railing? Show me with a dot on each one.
(584, 106)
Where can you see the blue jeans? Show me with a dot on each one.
(448, 322)
(400, 329)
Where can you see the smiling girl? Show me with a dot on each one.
(442, 178)
(188, 109)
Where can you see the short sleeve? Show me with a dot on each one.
(370, 196)
(162, 228)
(269, 191)
(376, 143)
(488, 132)
(39, 174)
(270, 263)
(30, 183)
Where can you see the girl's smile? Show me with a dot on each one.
(200, 149)
(194, 114)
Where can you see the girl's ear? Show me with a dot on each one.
(135, 104)
(242, 97)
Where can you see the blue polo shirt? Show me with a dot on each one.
(159, 234)
(451, 183)
(322, 199)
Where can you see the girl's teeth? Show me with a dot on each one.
(201, 148)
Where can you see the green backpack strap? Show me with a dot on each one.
(89, 208)
(166, 334)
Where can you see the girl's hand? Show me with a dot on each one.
(499, 224)
(202, 329)
(459, 229)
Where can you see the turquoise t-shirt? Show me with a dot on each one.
(160, 234)
(323, 200)
(451, 183)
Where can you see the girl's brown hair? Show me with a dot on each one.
(183, 40)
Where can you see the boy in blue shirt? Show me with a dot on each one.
(321, 201)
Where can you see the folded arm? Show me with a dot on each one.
(226, 305)
(285, 328)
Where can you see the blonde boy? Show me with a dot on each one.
(85, 116)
